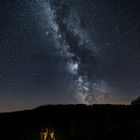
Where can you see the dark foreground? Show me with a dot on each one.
(73, 122)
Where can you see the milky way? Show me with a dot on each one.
(68, 52)
(73, 43)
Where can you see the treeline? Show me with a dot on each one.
(73, 122)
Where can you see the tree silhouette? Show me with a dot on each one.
(136, 101)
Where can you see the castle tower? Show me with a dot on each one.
(44, 134)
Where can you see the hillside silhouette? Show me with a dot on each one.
(73, 122)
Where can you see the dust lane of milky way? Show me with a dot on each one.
(86, 91)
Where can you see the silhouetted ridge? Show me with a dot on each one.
(72, 122)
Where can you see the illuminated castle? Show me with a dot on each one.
(47, 134)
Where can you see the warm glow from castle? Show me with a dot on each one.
(47, 134)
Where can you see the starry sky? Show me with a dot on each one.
(68, 52)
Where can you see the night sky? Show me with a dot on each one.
(68, 51)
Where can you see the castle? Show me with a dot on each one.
(47, 134)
